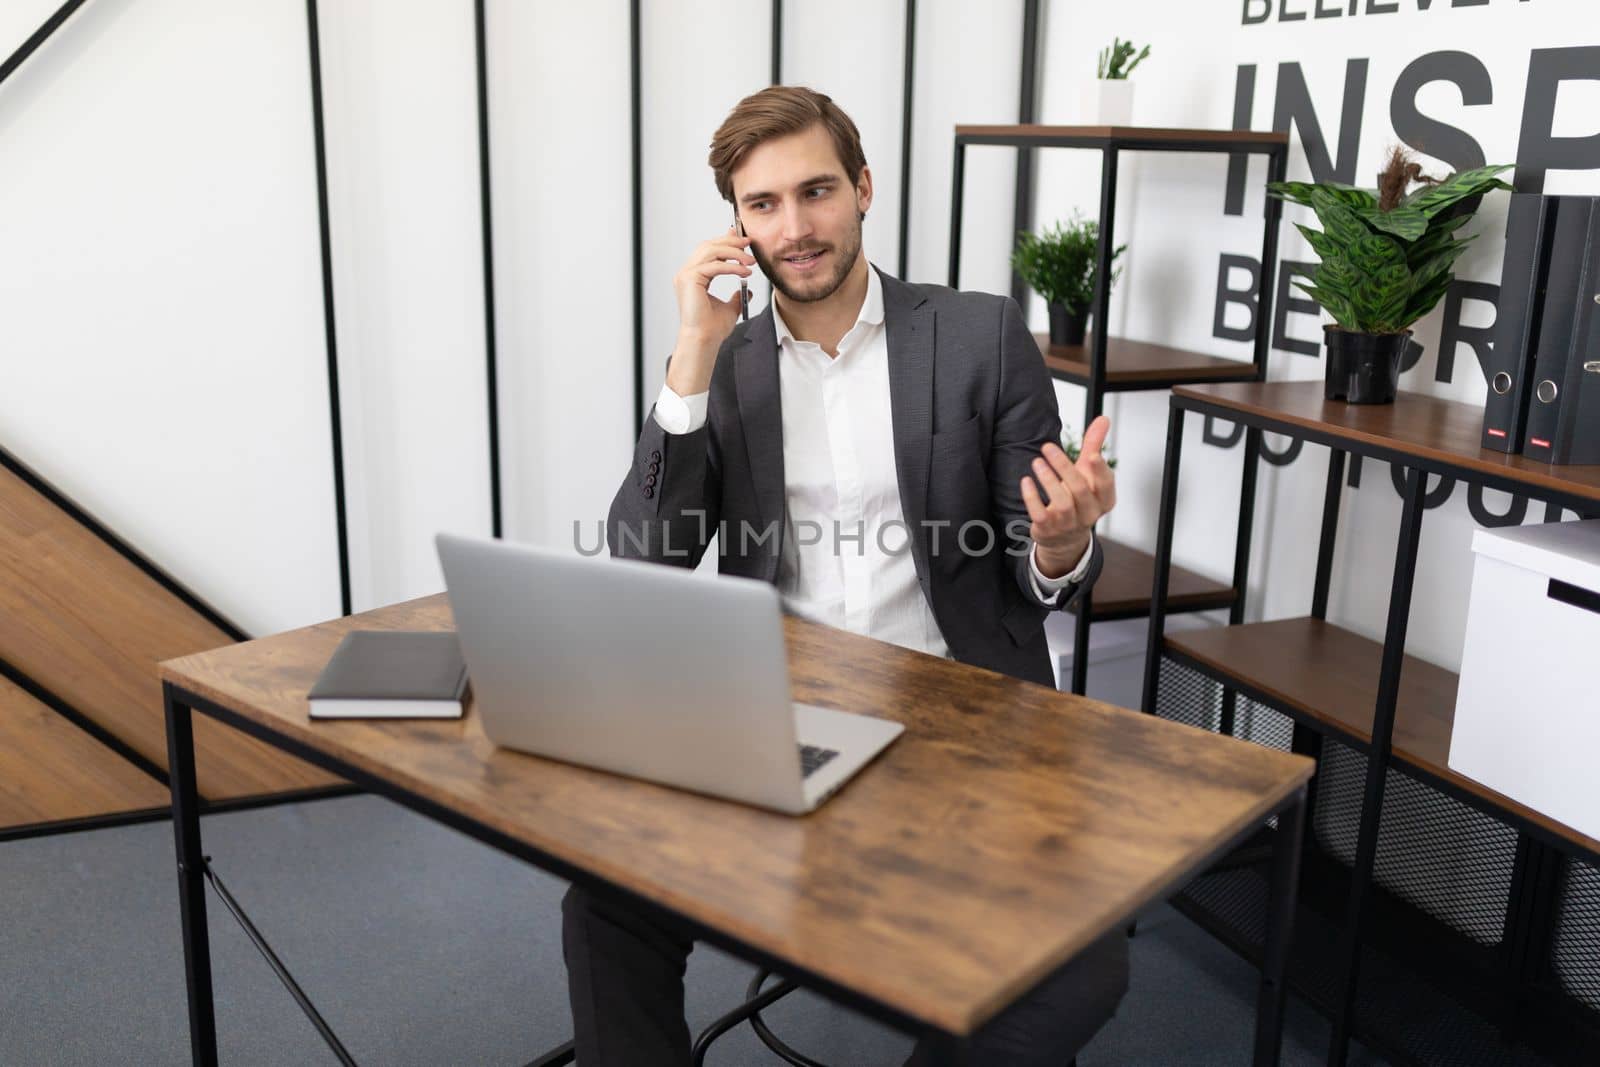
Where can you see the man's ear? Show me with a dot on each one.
(864, 192)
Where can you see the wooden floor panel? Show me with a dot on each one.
(85, 623)
(51, 771)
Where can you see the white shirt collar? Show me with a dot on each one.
(871, 308)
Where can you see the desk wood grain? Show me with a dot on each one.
(1008, 828)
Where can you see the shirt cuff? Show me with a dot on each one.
(681, 414)
(1048, 590)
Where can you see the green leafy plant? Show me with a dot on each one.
(1059, 264)
(1112, 59)
(1386, 254)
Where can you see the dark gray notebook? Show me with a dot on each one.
(385, 674)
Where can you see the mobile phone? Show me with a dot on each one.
(744, 287)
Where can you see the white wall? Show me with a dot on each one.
(162, 351)
(969, 59)
(699, 57)
(401, 115)
(163, 347)
(559, 123)
(864, 73)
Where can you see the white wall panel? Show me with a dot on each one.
(969, 60)
(400, 108)
(163, 356)
(19, 19)
(864, 72)
(559, 111)
(699, 59)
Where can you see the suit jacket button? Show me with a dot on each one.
(649, 491)
(651, 480)
(655, 456)
(655, 468)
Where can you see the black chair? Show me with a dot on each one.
(1107, 977)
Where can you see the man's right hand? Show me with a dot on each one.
(704, 322)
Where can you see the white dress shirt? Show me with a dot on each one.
(846, 558)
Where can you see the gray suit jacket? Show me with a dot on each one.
(971, 404)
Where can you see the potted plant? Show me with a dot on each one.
(1385, 261)
(1059, 265)
(1108, 100)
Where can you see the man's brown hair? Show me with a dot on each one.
(775, 112)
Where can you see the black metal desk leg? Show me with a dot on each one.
(1241, 556)
(1158, 593)
(1274, 987)
(191, 878)
(943, 1050)
(1079, 682)
(1394, 649)
(1331, 496)
(957, 176)
(1277, 171)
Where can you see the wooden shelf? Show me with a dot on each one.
(1123, 589)
(1140, 365)
(1327, 677)
(1443, 432)
(1152, 137)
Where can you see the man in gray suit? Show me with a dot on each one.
(885, 453)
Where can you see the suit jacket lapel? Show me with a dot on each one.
(909, 326)
(761, 416)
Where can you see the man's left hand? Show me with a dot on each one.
(1074, 496)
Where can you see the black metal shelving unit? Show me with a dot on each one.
(1110, 364)
(1440, 921)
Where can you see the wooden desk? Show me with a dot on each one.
(1009, 828)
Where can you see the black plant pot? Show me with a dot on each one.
(1066, 326)
(1363, 368)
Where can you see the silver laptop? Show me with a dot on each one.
(647, 671)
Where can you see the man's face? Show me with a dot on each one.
(801, 213)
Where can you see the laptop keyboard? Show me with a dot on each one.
(813, 757)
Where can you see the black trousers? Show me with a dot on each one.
(625, 978)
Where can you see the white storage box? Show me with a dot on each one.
(1528, 710)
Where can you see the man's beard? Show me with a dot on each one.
(817, 288)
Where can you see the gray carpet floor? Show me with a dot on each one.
(421, 946)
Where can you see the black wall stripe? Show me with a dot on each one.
(638, 221)
(1027, 112)
(314, 44)
(122, 548)
(490, 353)
(38, 37)
(777, 42)
(17, 677)
(908, 79)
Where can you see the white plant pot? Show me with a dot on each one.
(1106, 102)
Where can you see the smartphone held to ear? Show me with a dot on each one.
(744, 287)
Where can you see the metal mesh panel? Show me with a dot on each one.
(1450, 860)
(1575, 955)
(1263, 725)
(1405, 1016)
(1187, 696)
